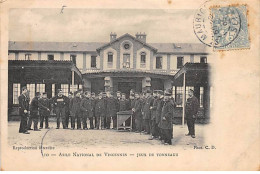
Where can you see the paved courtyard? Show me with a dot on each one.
(67, 138)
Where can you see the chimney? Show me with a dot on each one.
(112, 36)
(141, 36)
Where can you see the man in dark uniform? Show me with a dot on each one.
(23, 110)
(76, 111)
(34, 111)
(131, 105)
(153, 116)
(100, 110)
(44, 106)
(124, 104)
(86, 109)
(137, 112)
(111, 110)
(158, 113)
(60, 101)
(93, 105)
(167, 118)
(147, 111)
(67, 118)
(191, 110)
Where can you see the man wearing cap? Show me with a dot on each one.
(93, 105)
(191, 110)
(23, 110)
(60, 101)
(137, 112)
(86, 109)
(75, 110)
(158, 114)
(131, 105)
(100, 110)
(44, 106)
(111, 110)
(153, 116)
(34, 110)
(166, 121)
(147, 111)
(67, 117)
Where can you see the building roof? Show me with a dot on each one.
(172, 48)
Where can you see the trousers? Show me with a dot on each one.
(23, 123)
(146, 123)
(44, 118)
(191, 127)
(102, 120)
(60, 113)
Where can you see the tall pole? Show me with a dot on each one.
(72, 81)
(183, 98)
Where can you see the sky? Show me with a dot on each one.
(95, 25)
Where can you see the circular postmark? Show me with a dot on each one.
(225, 25)
(202, 23)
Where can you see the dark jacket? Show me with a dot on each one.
(146, 108)
(100, 108)
(132, 103)
(75, 107)
(60, 101)
(159, 110)
(153, 110)
(23, 104)
(167, 115)
(191, 107)
(93, 105)
(111, 108)
(34, 107)
(124, 105)
(138, 108)
(85, 106)
(44, 106)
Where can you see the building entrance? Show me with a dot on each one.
(125, 87)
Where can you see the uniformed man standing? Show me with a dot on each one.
(158, 114)
(34, 111)
(124, 104)
(76, 113)
(166, 122)
(60, 101)
(93, 105)
(23, 111)
(44, 105)
(153, 117)
(137, 112)
(111, 110)
(85, 107)
(191, 110)
(100, 110)
(67, 118)
(147, 111)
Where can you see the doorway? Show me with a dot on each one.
(125, 87)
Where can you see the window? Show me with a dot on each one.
(158, 62)
(201, 96)
(126, 46)
(16, 93)
(65, 89)
(73, 88)
(143, 58)
(40, 88)
(73, 59)
(27, 56)
(31, 88)
(203, 59)
(80, 86)
(93, 61)
(50, 57)
(179, 62)
(179, 92)
(126, 61)
(110, 57)
(53, 90)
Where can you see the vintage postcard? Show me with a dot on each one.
(129, 85)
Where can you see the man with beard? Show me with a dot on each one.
(86, 109)
(111, 110)
(191, 110)
(167, 118)
(148, 103)
(23, 111)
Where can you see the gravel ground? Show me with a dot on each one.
(67, 138)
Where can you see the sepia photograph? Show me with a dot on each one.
(123, 84)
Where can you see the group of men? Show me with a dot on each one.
(152, 113)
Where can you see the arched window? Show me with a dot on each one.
(143, 58)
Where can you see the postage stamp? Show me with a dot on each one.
(230, 27)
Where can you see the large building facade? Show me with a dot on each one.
(124, 63)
